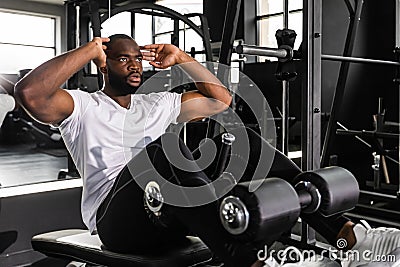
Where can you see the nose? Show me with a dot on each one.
(134, 66)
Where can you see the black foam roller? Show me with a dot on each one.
(338, 188)
(273, 209)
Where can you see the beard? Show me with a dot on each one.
(121, 85)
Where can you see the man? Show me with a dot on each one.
(111, 156)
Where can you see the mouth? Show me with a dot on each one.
(134, 78)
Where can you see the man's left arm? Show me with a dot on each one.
(212, 96)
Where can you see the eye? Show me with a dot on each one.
(123, 59)
(139, 59)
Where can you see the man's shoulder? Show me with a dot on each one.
(78, 92)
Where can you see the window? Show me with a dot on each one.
(119, 23)
(22, 45)
(188, 38)
(270, 19)
(29, 151)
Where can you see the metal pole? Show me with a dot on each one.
(285, 117)
(229, 32)
(349, 6)
(206, 37)
(285, 92)
(225, 53)
(96, 27)
(261, 51)
(72, 82)
(133, 25)
(311, 95)
(397, 23)
(311, 87)
(285, 14)
(398, 45)
(374, 134)
(175, 35)
(359, 60)
(78, 27)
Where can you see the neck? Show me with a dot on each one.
(123, 100)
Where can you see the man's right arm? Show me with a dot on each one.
(39, 92)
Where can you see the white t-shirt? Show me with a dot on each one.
(102, 137)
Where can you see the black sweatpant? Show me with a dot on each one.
(124, 225)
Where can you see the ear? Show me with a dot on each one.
(103, 70)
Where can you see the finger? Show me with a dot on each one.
(155, 64)
(154, 47)
(147, 49)
(148, 54)
(149, 58)
(105, 39)
(150, 46)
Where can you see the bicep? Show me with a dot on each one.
(51, 109)
(195, 106)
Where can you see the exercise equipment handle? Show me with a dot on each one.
(262, 51)
(227, 141)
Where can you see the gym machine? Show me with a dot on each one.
(260, 216)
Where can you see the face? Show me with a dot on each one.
(124, 66)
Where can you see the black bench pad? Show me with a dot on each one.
(80, 245)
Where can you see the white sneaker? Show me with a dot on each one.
(372, 245)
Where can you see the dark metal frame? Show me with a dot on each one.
(355, 15)
(346, 59)
(311, 84)
(285, 91)
(311, 95)
(378, 215)
(398, 70)
(225, 53)
(229, 32)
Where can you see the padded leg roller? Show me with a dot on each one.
(337, 187)
(262, 215)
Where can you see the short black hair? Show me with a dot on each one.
(115, 37)
(119, 36)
